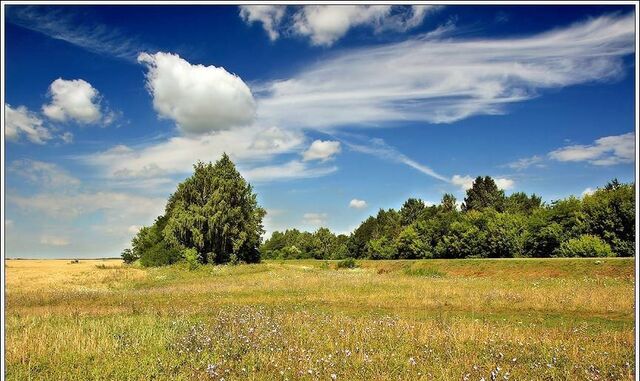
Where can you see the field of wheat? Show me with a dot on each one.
(519, 319)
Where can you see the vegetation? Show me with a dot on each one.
(516, 319)
(489, 225)
(213, 217)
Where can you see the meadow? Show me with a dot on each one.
(476, 319)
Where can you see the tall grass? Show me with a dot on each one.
(471, 319)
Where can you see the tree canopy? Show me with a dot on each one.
(213, 212)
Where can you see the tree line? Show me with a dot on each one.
(214, 217)
(487, 224)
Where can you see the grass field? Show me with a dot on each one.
(526, 319)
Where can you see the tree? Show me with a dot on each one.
(215, 212)
(409, 244)
(128, 256)
(150, 246)
(484, 193)
(410, 211)
(519, 202)
(609, 213)
(448, 203)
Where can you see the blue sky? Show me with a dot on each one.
(331, 112)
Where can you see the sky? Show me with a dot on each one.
(330, 112)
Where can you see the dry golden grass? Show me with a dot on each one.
(468, 319)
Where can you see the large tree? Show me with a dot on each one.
(215, 212)
(484, 193)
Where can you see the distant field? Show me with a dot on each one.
(518, 319)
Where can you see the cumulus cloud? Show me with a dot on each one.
(73, 100)
(357, 204)
(588, 191)
(67, 137)
(322, 150)
(608, 150)
(428, 79)
(42, 174)
(504, 183)
(315, 219)
(269, 15)
(198, 98)
(22, 122)
(466, 182)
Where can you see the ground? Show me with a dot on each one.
(519, 319)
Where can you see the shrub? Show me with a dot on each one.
(191, 257)
(584, 246)
(348, 263)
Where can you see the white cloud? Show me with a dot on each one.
(466, 182)
(325, 24)
(63, 24)
(442, 81)
(269, 15)
(22, 122)
(291, 170)
(588, 191)
(608, 150)
(198, 98)
(378, 148)
(357, 204)
(322, 150)
(315, 219)
(503, 183)
(67, 137)
(51, 240)
(134, 229)
(526, 162)
(117, 206)
(73, 99)
(44, 175)
(177, 155)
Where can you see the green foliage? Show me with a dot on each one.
(584, 246)
(610, 214)
(519, 202)
(484, 193)
(348, 263)
(191, 256)
(150, 246)
(489, 226)
(215, 212)
(128, 256)
(410, 211)
(448, 203)
(410, 245)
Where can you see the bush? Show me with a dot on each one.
(348, 263)
(191, 257)
(584, 246)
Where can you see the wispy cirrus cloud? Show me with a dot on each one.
(70, 26)
(436, 80)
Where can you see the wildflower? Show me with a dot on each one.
(334, 376)
(412, 361)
